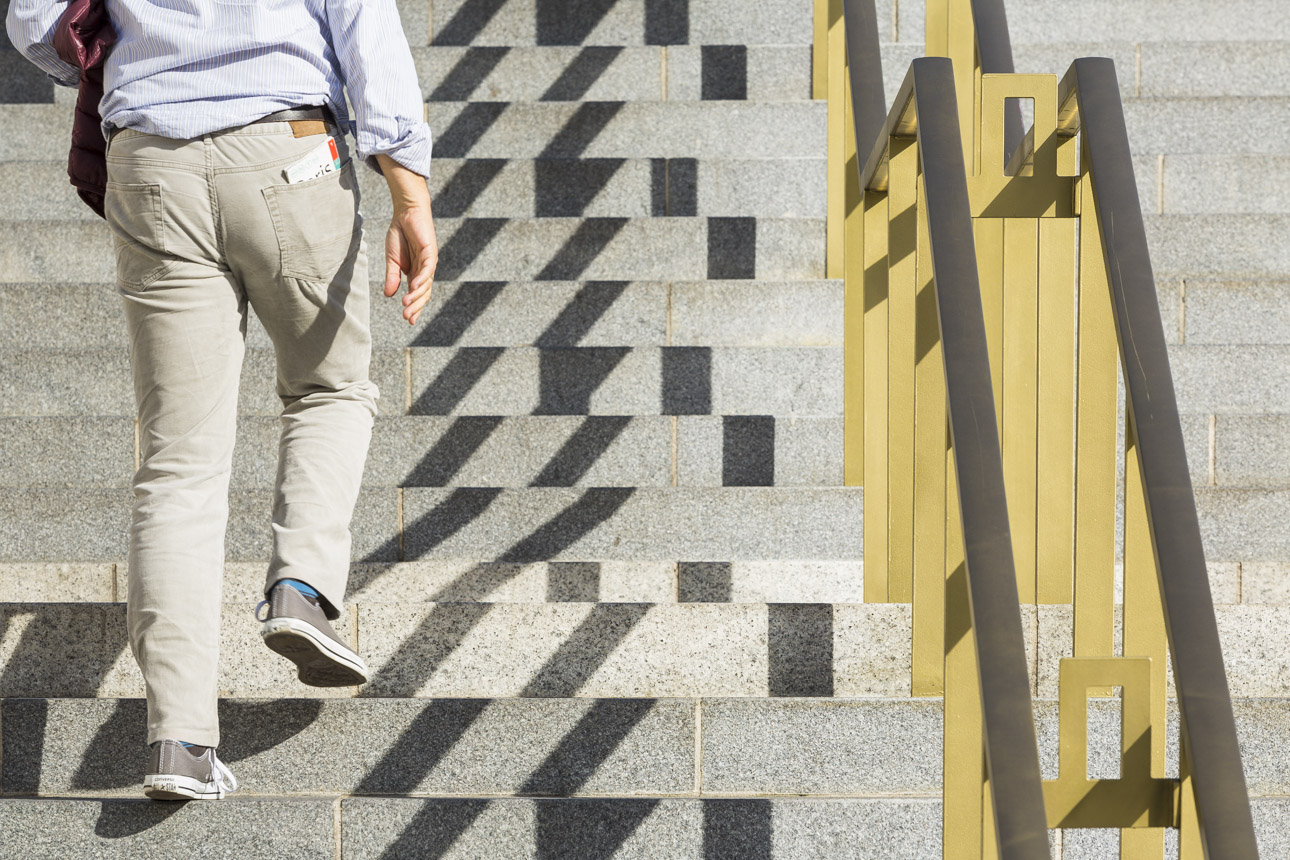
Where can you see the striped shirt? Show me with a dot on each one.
(184, 68)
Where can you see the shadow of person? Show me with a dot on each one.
(119, 819)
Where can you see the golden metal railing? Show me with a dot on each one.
(1025, 297)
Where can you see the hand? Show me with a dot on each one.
(411, 247)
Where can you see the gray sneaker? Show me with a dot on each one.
(175, 773)
(297, 628)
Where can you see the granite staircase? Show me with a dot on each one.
(604, 566)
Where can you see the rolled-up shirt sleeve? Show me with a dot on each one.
(30, 25)
(381, 81)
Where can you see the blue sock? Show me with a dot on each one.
(300, 586)
(154, 743)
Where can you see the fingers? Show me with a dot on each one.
(420, 285)
(397, 258)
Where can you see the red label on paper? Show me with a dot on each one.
(331, 141)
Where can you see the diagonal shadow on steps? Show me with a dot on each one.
(475, 65)
(577, 318)
(455, 316)
(468, 22)
(452, 451)
(451, 385)
(466, 244)
(466, 185)
(581, 450)
(579, 76)
(565, 187)
(567, 378)
(583, 126)
(581, 249)
(470, 124)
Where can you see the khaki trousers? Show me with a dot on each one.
(203, 228)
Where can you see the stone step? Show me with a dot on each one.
(611, 129)
(637, 22)
(1232, 312)
(615, 73)
(485, 828)
(1209, 246)
(426, 647)
(1229, 379)
(743, 313)
(484, 524)
(1101, 21)
(507, 747)
(621, 650)
(430, 451)
(739, 581)
(541, 249)
(529, 188)
(484, 381)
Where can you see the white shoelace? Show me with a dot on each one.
(258, 607)
(224, 778)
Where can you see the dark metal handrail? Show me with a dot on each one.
(864, 57)
(1089, 103)
(927, 108)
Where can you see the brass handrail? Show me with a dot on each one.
(1089, 104)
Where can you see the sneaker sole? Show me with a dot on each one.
(165, 786)
(320, 661)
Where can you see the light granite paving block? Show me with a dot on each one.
(1266, 582)
(1195, 125)
(252, 827)
(71, 251)
(40, 382)
(374, 527)
(1225, 582)
(558, 649)
(614, 524)
(1222, 68)
(63, 649)
(644, 828)
(754, 581)
(684, 129)
(1222, 312)
(1196, 441)
(546, 73)
(547, 313)
(36, 316)
(1141, 20)
(40, 190)
(1242, 525)
(1252, 451)
(699, 451)
(1272, 826)
(67, 452)
(1169, 294)
(772, 73)
(626, 381)
(1238, 184)
(1233, 245)
(757, 313)
(1244, 379)
(766, 187)
(57, 582)
(1254, 651)
(820, 746)
(64, 525)
(871, 654)
(544, 747)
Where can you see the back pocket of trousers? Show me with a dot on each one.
(134, 215)
(317, 224)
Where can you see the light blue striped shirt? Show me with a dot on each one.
(183, 68)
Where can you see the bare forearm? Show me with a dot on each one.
(408, 189)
